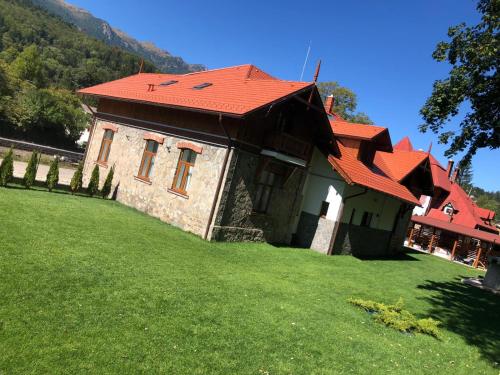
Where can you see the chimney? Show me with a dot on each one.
(449, 169)
(456, 175)
(329, 102)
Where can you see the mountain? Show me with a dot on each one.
(102, 30)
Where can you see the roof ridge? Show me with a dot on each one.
(216, 69)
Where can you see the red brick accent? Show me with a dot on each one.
(154, 137)
(108, 126)
(191, 146)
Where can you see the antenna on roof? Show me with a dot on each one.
(141, 66)
(430, 148)
(305, 61)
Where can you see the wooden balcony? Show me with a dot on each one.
(287, 144)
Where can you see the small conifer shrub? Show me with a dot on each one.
(53, 174)
(77, 180)
(93, 187)
(106, 188)
(31, 169)
(7, 168)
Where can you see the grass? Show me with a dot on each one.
(91, 286)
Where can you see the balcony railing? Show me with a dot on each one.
(287, 144)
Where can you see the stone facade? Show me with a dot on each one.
(362, 241)
(189, 213)
(314, 232)
(236, 221)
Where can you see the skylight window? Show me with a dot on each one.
(168, 83)
(202, 85)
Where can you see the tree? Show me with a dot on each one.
(473, 83)
(93, 187)
(53, 174)
(345, 102)
(31, 169)
(487, 202)
(465, 176)
(77, 179)
(106, 188)
(29, 66)
(7, 168)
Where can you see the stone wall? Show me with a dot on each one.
(314, 232)
(189, 213)
(362, 241)
(235, 219)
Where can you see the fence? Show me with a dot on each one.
(70, 156)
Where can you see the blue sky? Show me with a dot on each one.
(379, 49)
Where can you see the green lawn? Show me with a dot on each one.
(90, 286)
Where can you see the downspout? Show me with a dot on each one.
(221, 177)
(91, 134)
(339, 217)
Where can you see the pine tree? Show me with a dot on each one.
(106, 188)
(77, 179)
(31, 169)
(7, 168)
(53, 174)
(93, 187)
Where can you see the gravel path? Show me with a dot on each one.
(65, 174)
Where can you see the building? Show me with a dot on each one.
(449, 223)
(219, 153)
(359, 199)
(235, 154)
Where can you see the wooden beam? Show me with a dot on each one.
(452, 256)
(431, 243)
(478, 255)
(410, 238)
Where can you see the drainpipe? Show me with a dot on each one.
(221, 177)
(91, 134)
(339, 217)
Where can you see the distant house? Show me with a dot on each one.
(235, 154)
(449, 223)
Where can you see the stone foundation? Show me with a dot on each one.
(362, 241)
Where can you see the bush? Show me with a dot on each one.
(53, 174)
(394, 316)
(93, 187)
(7, 168)
(106, 188)
(77, 180)
(30, 174)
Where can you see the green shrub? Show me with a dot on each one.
(93, 187)
(77, 180)
(7, 168)
(395, 317)
(53, 174)
(106, 188)
(30, 174)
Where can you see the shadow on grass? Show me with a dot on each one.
(399, 256)
(469, 312)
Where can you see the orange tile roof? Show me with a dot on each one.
(347, 129)
(355, 171)
(235, 90)
(399, 164)
(404, 145)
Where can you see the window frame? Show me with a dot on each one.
(366, 219)
(149, 157)
(323, 211)
(188, 165)
(105, 148)
(265, 186)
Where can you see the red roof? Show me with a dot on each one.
(439, 175)
(457, 228)
(404, 145)
(355, 171)
(347, 129)
(399, 164)
(466, 213)
(235, 90)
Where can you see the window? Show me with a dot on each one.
(324, 208)
(168, 83)
(265, 184)
(183, 172)
(107, 139)
(366, 219)
(448, 209)
(202, 86)
(148, 159)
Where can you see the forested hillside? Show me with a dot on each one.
(43, 60)
(102, 30)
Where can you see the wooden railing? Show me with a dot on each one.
(287, 144)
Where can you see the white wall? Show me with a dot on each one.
(425, 200)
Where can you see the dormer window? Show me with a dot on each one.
(448, 209)
(168, 83)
